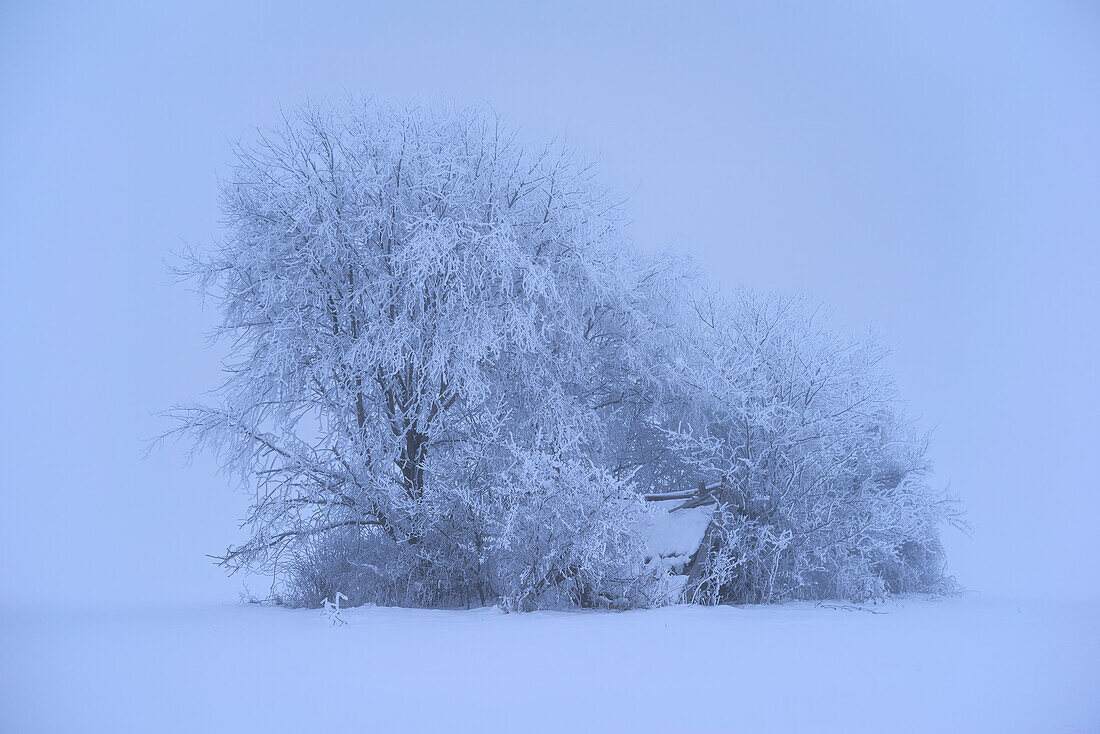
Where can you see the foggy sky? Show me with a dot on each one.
(931, 171)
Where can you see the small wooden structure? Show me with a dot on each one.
(676, 535)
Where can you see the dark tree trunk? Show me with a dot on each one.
(411, 463)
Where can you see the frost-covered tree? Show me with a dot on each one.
(423, 316)
(824, 491)
(452, 381)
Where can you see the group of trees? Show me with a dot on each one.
(452, 380)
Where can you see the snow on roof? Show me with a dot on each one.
(676, 533)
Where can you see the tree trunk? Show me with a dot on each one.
(411, 464)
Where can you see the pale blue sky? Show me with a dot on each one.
(929, 169)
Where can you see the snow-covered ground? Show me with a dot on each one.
(966, 665)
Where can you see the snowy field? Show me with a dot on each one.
(966, 665)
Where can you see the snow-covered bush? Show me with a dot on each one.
(824, 484)
(567, 531)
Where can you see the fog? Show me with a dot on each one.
(932, 172)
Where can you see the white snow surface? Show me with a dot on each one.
(674, 533)
(918, 665)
